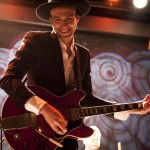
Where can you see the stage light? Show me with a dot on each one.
(113, 2)
(140, 3)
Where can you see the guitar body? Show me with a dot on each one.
(29, 138)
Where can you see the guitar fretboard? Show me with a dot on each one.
(83, 112)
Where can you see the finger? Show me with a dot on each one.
(138, 111)
(59, 118)
(146, 105)
(56, 129)
(61, 128)
(147, 98)
(60, 123)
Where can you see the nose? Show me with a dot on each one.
(64, 23)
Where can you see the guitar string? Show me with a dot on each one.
(95, 110)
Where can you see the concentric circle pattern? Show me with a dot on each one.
(110, 73)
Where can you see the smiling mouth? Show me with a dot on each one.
(64, 31)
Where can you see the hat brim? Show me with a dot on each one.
(43, 10)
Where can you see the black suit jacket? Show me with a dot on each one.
(40, 57)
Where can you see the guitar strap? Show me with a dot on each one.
(19, 121)
(77, 69)
(24, 79)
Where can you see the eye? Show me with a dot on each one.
(56, 19)
(69, 19)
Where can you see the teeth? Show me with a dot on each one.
(64, 31)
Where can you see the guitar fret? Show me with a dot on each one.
(103, 109)
(130, 106)
(92, 112)
(123, 107)
(139, 105)
(100, 110)
(109, 109)
(106, 109)
(119, 107)
(114, 108)
(135, 105)
(96, 110)
(75, 113)
(88, 111)
(82, 113)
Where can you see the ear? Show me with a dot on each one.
(78, 18)
(50, 20)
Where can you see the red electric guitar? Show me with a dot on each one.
(26, 131)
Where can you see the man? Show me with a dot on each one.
(53, 61)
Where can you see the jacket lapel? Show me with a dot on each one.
(58, 54)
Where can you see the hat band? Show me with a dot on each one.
(49, 1)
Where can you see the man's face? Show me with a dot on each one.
(64, 21)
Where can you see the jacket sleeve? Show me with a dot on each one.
(17, 68)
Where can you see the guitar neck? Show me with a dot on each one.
(78, 113)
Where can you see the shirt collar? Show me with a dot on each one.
(63, 45)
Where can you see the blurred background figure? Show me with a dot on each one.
(93, 142)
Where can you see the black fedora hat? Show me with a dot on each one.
(43, 10)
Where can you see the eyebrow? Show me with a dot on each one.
(67, 15)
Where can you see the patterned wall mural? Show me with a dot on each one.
(122, 80)
(116, 76)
